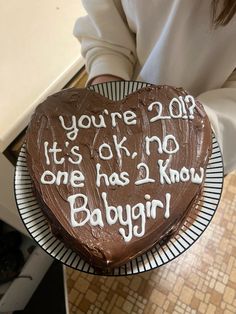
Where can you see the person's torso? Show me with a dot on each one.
(178, 45)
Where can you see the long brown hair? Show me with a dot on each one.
(222, 11)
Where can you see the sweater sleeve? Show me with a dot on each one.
(220, 105)
(107, 44)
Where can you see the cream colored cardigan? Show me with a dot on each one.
(167, 42)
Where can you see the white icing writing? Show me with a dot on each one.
(168, 175)
(75, 151)
(75, 178)
(191, 100)
(159, 111)
(113, 118)
(130, 117)
(174, 176)
(175, 104)
(121, 179)
(86, 121)
(145, 170)
(46, 153)
(126, 215)
(130, 218)
(184, 116)
(55, 152)
(73, 130)
(178, 108)
(101, 150)
(119, 148)
(100, 124)
(162, 146)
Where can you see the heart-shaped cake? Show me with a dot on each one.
(116, 177)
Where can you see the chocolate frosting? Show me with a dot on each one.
(104, 247)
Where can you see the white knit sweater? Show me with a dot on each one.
(167, 42)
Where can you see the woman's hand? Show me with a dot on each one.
(104, 78)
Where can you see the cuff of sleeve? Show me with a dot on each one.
(218, 129)
(214, 122)
(213, 117)
(109, 64)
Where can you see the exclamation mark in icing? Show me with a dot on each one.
(185, 116)
(167, 211)
(191, 100)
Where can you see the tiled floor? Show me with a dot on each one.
(202, 280)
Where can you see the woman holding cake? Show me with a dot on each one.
(181, 43)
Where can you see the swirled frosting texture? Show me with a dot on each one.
(104, 246)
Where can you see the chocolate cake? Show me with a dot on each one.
(115, 178)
